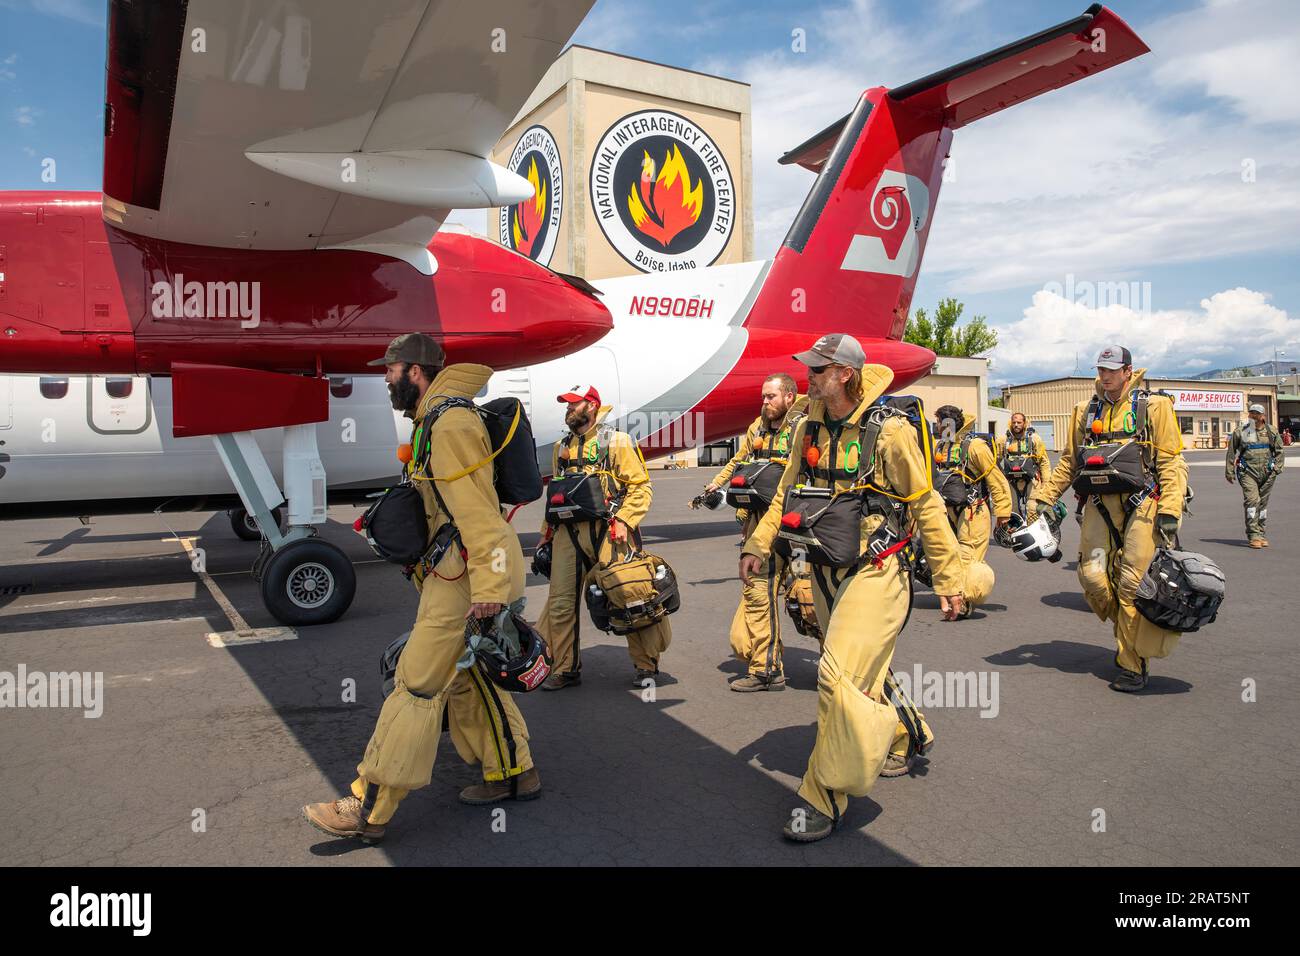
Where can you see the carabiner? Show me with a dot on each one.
(857, 460)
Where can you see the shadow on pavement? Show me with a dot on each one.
(625, 782)
(1070, 657)
(1073, 600)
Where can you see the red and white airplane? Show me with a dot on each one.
(270, 220)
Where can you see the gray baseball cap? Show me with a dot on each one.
(1114, 356)
(835, 349)
(1258, 409)
(415, 348)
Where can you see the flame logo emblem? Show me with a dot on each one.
(662, 192)
(532, 227)
(527, 217)
(662, 206)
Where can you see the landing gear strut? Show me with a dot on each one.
(304, 580)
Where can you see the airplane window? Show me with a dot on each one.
(118, 387)
(340, 387)
(54, 387)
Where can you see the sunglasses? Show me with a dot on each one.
(819, 369)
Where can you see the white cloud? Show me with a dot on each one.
(26, 115)
(1245, 51)
(6, 73)
(1112, 176)
(1233, 327)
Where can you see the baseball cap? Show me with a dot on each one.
(1257, 408)
(580, 393)
(415, 348)
(834, 349)
(1114, 356)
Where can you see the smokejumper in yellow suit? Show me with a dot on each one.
(1110, 574)
(1022, 458)
(591, 447)
(989, 490)
(756, 625)
(863, 609)
(486, 726)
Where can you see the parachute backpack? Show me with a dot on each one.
(1019, 465)
(824, 526)
(583, 495)
(754, 484)
(515, 474)
(1116, 462)
(955, 486)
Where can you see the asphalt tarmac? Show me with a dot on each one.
(205, 754)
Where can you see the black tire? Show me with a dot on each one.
(245, 528)
(308, 582)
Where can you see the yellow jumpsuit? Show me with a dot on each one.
(972, 523)
(1110, 576)
(756, 625)
(863, 611)
(616, 455)
(486, 726)
(1033, 447)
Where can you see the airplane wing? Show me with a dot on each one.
(1091, 42)
(308, 124)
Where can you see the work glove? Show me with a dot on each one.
(1167, 527)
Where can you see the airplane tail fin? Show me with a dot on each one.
(851, 258)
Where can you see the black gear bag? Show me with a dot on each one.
(1181, 591)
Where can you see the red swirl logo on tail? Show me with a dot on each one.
(891, 214)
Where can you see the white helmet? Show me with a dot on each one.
(1037, 541)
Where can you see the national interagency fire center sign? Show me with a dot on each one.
(636, 167)
(532, 227)
(662, 192)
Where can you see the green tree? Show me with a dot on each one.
(942, 336)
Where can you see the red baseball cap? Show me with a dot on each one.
(581, 393)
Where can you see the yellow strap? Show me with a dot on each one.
(472, 468)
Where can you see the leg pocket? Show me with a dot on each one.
(854, 735)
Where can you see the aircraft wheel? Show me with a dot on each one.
(308, 582)
(245, 528)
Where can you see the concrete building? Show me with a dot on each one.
(1208, 410)
(962, 382)
(639, 167)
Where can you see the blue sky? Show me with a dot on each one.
(1130, 177)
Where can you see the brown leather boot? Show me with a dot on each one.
(1263, 542)
(1257, 543)
(524, 786)
(342, 818)
(558, 681)
(896, 765)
